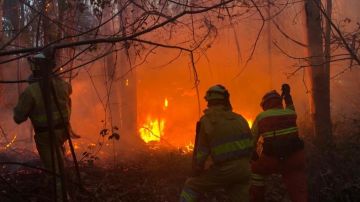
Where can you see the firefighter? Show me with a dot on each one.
(226, 137)
(279, 148)
(31, 105)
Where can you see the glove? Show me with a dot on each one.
(285, 90)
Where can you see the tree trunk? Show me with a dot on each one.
(328, 35)
(1, 43)
(269, 45)
(128, 83)
(319, 73)
(1, 24)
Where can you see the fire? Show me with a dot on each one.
(152, 130)
(250, 122)
(189, 147)
(166, 103)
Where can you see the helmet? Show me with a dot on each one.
(40, 59)
(217, 92)
(270, 96)
(34, 60)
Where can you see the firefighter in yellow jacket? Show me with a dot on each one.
(31, 105)
(226, 137)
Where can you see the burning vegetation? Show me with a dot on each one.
(152, 130)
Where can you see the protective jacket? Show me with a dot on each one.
(31, 105)
(224, 135)
(276, 133)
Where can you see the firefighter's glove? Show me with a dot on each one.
(254, 156)
(285, 90)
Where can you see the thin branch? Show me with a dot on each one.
(337, 30)
(18, 33)
(288, 37)
(256, 40)
(117, 38)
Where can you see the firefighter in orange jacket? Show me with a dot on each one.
(224, 136)
(279, 148)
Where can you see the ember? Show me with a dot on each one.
(8, 145)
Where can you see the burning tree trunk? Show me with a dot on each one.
(319, 73)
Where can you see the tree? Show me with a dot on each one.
(319, 72)
(1, 39)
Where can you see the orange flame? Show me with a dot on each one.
(250, 122)
(166, 103)
(189, 147)
(152, 130)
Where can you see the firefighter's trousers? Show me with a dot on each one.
(233, 176)
(293, 174)
(44, 149)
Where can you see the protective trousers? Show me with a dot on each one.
(293, 173)
(44, 149)
(233, 176)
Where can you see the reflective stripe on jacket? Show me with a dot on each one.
(273, 124)
(224, 135)
(31, 105)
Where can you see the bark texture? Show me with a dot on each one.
(319, 73)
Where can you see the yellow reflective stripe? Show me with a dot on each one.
(257, 177)
(280, 132)
(232, 146)
(275, 112)
(257, 180)
(257, 183)
(187, 196)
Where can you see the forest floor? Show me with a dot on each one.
(158, 176)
